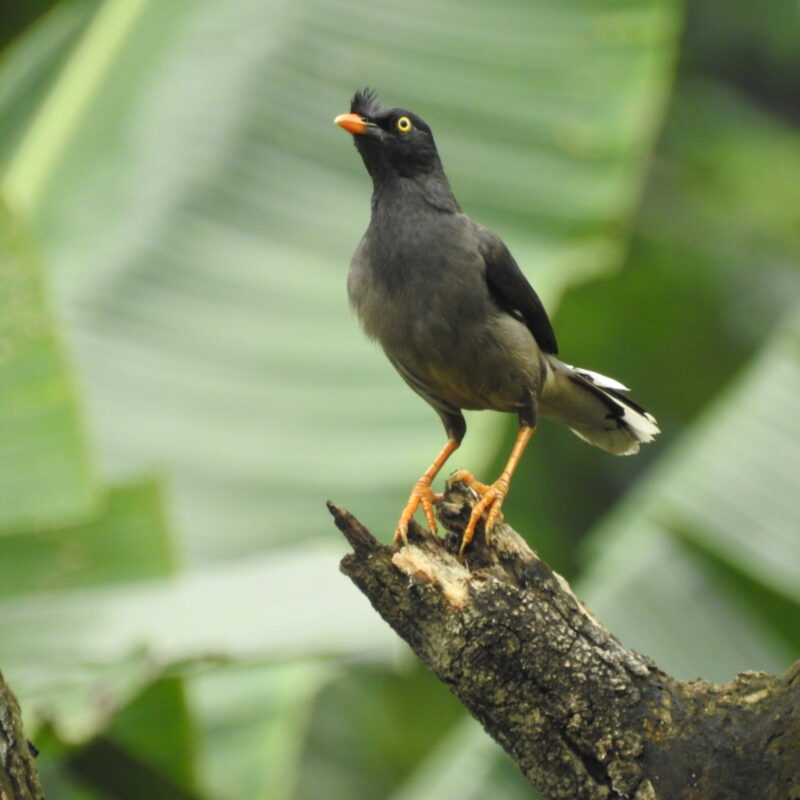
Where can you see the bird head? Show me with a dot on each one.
(391, 141)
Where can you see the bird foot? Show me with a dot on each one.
(463, 476)
(421, 495)
(491, 500)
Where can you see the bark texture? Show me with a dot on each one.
(19, 779)
(583, 717)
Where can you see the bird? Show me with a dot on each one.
(458, 319)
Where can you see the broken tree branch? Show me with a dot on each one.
(583, 717)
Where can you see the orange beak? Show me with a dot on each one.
(352, 123)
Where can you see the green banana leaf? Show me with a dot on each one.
(730, 489)
(198, 209)
(45, 470)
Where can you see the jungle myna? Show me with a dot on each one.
(456, 316)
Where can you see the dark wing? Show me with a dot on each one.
(512, 292)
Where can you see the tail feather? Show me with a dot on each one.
(594, 408)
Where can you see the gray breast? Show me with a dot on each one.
(426, 301)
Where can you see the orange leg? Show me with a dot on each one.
(494, 494)
(422, 494)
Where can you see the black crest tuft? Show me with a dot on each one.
(366, 103)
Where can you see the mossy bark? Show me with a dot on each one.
(19, 779)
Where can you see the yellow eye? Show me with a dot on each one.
(404, 124)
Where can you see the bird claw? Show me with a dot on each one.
(491, 501)
(421, 495)
(463, 476)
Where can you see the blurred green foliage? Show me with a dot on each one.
(182, 385)
(17, 16)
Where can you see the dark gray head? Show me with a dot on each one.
(391, 141)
